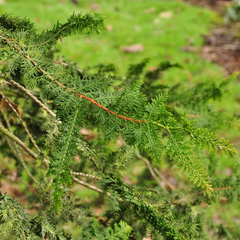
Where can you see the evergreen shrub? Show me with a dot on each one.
(67, 127)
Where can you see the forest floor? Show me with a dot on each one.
(222, 46)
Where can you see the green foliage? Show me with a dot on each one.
(11, 215)
(14, 223)
(120, 232)
(82, 122)
(141, 209)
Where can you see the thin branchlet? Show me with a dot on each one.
(21, 120)
(30, 94)
(18, 141)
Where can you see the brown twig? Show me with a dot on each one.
(15, 150)
(51, 113)
(18, 141)
(170, 186)
(22, 122)
(66, 65)
(151, 170)
(90, 186)
(164, 183)
(85, 175)
(10, 142)
(199, 193)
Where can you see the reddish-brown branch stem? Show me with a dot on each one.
(76, 93)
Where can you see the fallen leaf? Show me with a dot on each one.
(152, 69)
(9, 105)
(228, 172)
(98, 211)
(204, 205)
(94, 7)
(88, 134)
(138, 28)
(75, 2)
(224, 200)
(150, 10)
(188, 49)
(207, 49)
(127, 180)
(166, 15)
(109, 27)
(138, 47)
(157, 20)
(217, 219)
(236, 219)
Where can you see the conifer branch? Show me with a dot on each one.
(83, 96)
(85, 175)
(168, 184)
(31, 95)
(15, 150)
(205, 139)
(151, 170)
(22, 122)
(18, 141)
(164, 183)
(89, 22)
(20, 157)
(90, 186)
(144, 210)
(67, 65)
(153, 145)
(70, 90)
(183, 154)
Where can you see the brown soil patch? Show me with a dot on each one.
(213, 4)
(222, 46)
